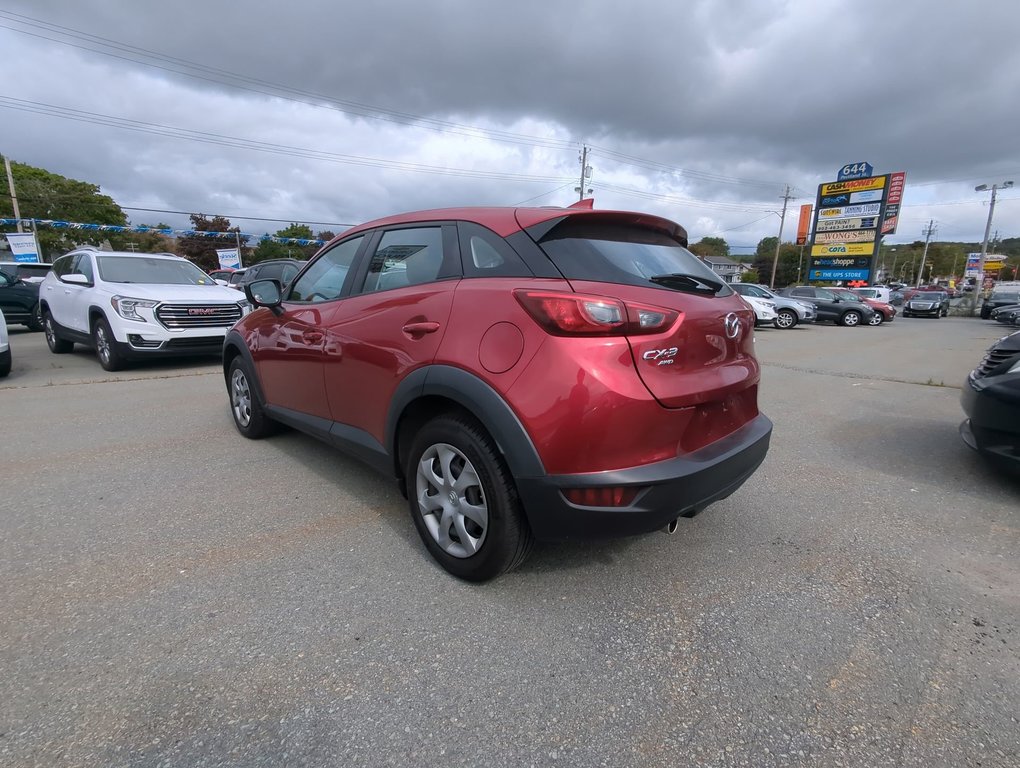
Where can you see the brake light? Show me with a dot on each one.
(575, 314)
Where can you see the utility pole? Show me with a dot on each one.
(14, 195)
(779, 240)
(980, 284)
(585, 173)
(924, 254)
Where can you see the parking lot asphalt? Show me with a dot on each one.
(176, 595)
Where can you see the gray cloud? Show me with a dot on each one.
(748, 96)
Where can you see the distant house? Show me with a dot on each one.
(727, 269)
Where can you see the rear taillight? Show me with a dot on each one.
(575, 314)
(601, 497)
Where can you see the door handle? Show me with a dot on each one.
(417, 330)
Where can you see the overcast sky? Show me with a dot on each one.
(336, 113)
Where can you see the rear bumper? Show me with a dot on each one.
(680, 487)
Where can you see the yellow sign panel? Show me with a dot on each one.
(853, 185)
(844, 249)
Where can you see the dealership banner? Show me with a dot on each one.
(23, 246)
(229, 258)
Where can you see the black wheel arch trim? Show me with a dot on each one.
(479, 399)
(234, 341)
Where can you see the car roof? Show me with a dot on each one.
(506, 221)
(169, 256)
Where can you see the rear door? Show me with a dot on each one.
(707, 355)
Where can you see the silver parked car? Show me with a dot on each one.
(789, 312)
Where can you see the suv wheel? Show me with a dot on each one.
(57, 345)
(249, 417)
(786, 318)
(105, 345)
(463, 500)
(851, 318)
(877, 319)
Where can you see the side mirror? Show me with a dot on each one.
(264, 293)
(76, 279)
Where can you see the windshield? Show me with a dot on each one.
(928, 296)
(1011, 297)
(139, 269)
(868, 293)
(751, 290)
(614, 253)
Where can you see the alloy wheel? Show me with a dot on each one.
(102, 343)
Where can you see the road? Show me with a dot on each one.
(175, 595)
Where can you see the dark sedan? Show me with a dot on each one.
(991, 400)
(1009, 314)
(927, 304)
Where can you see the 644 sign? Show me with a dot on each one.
(855, 171)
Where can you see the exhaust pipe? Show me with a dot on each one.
(671, 526)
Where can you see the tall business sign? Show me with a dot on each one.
(851, 215)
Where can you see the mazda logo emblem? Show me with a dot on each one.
(732, 326)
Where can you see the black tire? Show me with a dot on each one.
(105, 344)
(249, 416)
(35, 324)
(786, 319)
(851, 319)
(57, 345)
(5, 363)
(877, 319)
(455, 464)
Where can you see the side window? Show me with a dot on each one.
(405, 257)
(824, 295)
(5, 280)
(807, 293)
(324, 279)
(62, 266)
(486, 254)
(83, 266)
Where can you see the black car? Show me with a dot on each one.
(832, 307)
(19, 301)
(1000, 297)
(927, 304)
(1009, 314)
(991, 400)
(283, 270)
(29, 271)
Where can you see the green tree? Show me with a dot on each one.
(267, 249)
(45, 195)
(711, 246)
(202, 250)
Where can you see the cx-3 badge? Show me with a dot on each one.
(732, 326)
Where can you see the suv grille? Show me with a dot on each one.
(198, 315)
(992, 360)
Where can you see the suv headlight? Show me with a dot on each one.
(128, 308)
(245, 306)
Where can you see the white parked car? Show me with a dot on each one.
(135, 306)
(764, 310)
(5, 348)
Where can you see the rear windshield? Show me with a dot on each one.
(138, 269)
(617, 253)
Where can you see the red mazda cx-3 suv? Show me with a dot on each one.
(524, 373)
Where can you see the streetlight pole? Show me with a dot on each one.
(980, 285)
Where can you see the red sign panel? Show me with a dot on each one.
(804, 224)
(892, 202)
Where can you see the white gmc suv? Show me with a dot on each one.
(134, 306)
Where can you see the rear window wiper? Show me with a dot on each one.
(684, 282)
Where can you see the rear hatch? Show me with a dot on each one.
(705, 354)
